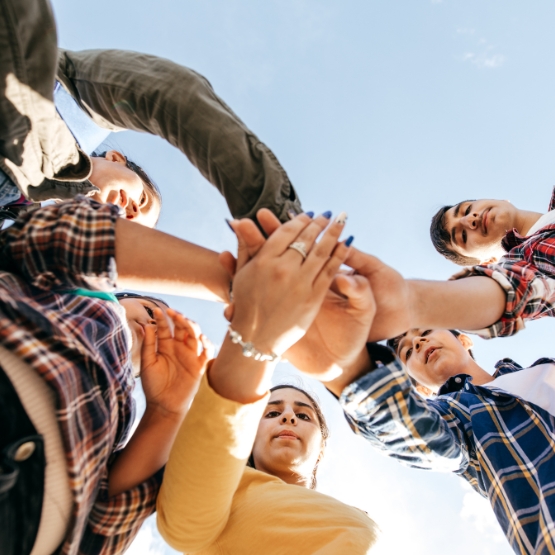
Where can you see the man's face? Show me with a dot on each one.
(123, 187)
(478, 226)
(434, 356)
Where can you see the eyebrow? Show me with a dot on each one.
(296, 403)
(453, 230)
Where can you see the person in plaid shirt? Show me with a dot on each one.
(79, 345)
(495, 432)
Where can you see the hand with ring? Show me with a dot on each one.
(278, 293)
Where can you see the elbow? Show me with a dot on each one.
(187, 535)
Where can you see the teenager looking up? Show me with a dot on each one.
(483, 231)
(120, 90)
(65, 351)
(210, 502)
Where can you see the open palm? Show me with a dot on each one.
(172, 364)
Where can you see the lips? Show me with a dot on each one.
(485, 215)
(287, 434)
(429, 352)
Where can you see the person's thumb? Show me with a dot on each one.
(363, 263)
(250, 241)
(356, 290)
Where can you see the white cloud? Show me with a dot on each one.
(480, 52)
(484, 60)
(477, 511)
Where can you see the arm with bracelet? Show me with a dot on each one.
(211, 501)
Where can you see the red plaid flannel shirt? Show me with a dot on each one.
(527, 275)
(80, 346)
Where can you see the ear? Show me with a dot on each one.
(466, 341)
(424, 391)
(115, 156)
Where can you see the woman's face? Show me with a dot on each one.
(289, 440)
(121, 186)
(139, 314)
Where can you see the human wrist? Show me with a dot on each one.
(351, 371)
(249, 350)
(157, 412)
(262, 337)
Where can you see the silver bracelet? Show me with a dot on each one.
(248, 348)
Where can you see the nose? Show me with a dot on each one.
(470, 221)
(131, 210)
(288, 416)
(418, 342)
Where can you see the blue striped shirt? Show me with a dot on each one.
(504, 446)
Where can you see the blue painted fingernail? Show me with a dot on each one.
(327, 214)
(229, 225)
(349, 241)
(310, 214)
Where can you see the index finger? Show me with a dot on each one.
(278, 242)
(163, 328)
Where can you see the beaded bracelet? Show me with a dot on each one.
(248, 348)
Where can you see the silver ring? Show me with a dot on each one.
(300, 247)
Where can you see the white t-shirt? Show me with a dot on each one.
(546, 219)
(535, 384)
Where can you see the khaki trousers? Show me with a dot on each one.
(121, 90)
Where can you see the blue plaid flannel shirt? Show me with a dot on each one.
(502, 445)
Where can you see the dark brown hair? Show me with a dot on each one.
(441, 239)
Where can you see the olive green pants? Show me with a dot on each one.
(121, 90)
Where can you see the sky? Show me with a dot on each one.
(387, 110)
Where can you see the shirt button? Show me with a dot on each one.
(458, 380)
(24, 451)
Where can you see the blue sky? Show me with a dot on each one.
(387, 110)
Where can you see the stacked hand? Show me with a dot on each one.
(277, 292)
(339, 331)
(172, 364)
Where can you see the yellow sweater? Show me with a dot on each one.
(211, 503)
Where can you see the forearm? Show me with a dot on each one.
(153, 261)
(147, 451)
(383, 407)
(206, 464)
(471, 304)
(350, 373)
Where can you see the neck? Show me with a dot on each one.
(525, 220)
(479, 375)
(291, 477)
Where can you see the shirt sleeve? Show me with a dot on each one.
(66, 245)
(205, 468)
(530, 294)
(115, 521)
(384, 408)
